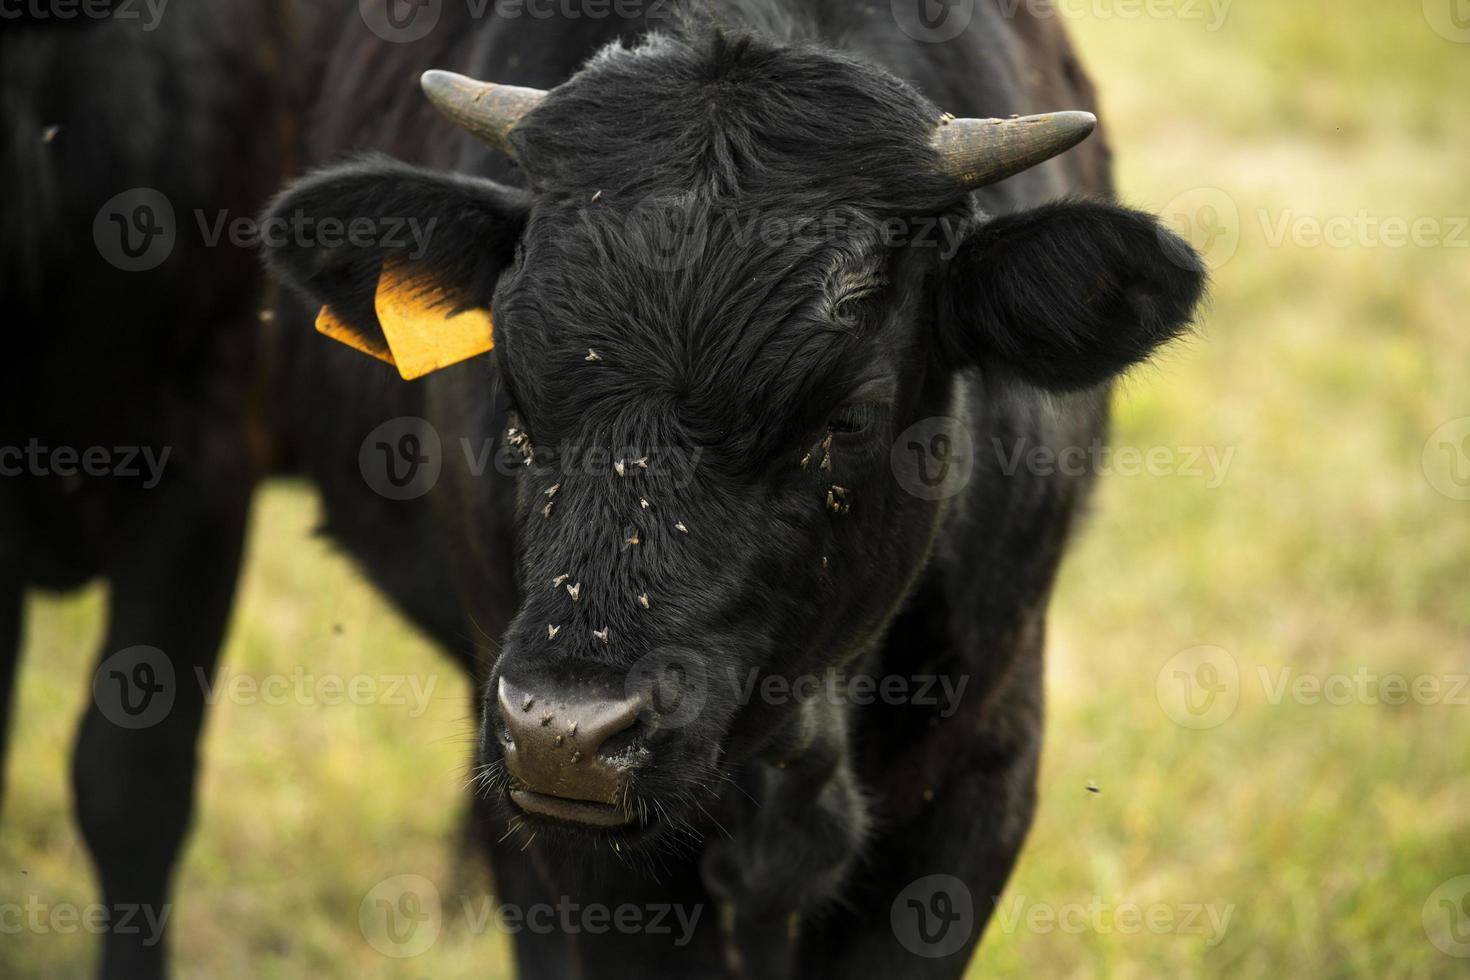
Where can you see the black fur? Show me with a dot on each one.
(475, 225)
(803, 822)
(1070, 295)
(199, 108)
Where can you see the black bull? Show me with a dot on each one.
(710, 501)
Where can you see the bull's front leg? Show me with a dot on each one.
(134, 767)
(792, 841)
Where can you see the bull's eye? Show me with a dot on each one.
(853, 419)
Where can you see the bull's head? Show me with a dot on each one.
(766, 260)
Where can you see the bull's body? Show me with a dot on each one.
(159, 367)
(154, 368)
(951, 795)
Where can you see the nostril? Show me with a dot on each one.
(621, 746)
(606, 719)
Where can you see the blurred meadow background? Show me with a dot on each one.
(1306, 523)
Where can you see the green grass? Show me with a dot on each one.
(1322, 828)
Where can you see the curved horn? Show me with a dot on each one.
(486, 111)
(978, 152)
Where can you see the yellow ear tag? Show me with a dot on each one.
(421, 330)
(330, 325)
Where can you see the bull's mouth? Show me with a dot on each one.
(583, 812)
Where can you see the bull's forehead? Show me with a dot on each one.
(719, 313)
(711, 115)
(705, 234)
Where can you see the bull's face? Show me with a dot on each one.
(709, 497)
(727, 293)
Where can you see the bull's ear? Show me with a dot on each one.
(403, 261)
(1068, 295)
